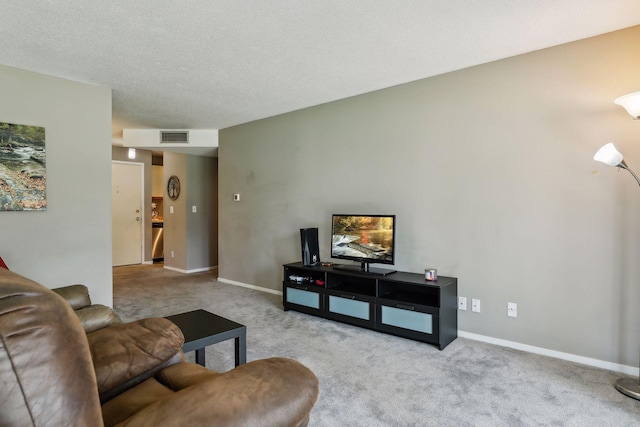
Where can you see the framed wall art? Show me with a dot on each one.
(23, 177)
(173, 187)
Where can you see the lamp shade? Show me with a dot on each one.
(608, 155)
(631, 103)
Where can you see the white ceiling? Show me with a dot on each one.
(209, 64)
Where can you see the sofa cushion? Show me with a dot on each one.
(127, 404)
(126, 354)
(267, 392)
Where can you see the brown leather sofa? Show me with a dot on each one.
(53, 373)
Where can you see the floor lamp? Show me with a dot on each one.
(612, 157)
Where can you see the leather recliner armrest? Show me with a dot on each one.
(92, 316)
(97, 316)
(76, 295)
(126, 354)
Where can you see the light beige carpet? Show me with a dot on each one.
(372, 379)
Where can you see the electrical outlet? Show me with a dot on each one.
(512, 309)
(194, 209)
(462, 303)
(172, 254)
(475, 305)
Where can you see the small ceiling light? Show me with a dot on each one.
(631, 103)
(132, 153)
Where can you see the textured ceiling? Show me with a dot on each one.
(213, 64)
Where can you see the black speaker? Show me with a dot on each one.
(309, 244)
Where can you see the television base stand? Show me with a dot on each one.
(364, 269)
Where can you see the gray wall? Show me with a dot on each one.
(192, 236)
(121, 154)
(70, 242)
(202, 226)
(490, 172)
(175, 225)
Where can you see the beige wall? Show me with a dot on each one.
(70, 242)
(490, 172)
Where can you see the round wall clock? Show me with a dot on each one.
(173, 187)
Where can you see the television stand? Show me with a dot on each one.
(402, 304)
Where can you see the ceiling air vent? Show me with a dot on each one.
(174, 137)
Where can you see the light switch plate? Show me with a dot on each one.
(475, 305)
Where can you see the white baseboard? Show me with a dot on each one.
(246, 285)
(195, 270)
(629, 370)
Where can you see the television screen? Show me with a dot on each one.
(363, 238)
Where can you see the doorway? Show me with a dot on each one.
(127, 213)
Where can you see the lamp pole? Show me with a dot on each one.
(610, 156)
(629, 386)
(624, 166)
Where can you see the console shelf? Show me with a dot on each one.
(401, 303)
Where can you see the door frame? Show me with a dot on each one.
(142, 210)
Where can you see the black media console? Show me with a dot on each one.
(402, 304)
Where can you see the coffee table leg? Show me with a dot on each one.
(200, 356)
(241, 349)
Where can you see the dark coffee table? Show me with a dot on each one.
(201, 329)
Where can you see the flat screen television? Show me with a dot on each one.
(368, 239)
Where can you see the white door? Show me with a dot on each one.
(126, 212)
